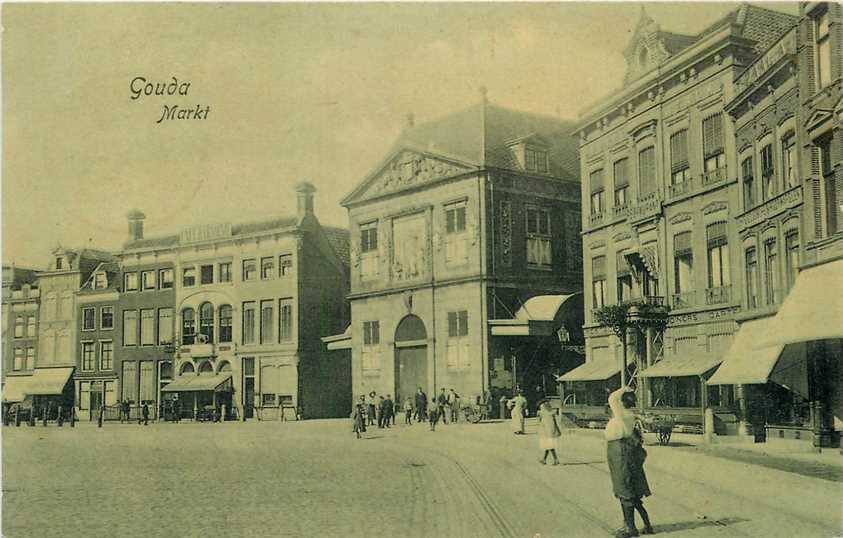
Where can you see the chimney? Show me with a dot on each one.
(304, 193)
(135, 224)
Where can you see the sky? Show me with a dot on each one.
(315, 92)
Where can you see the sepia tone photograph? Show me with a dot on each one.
(424, 269)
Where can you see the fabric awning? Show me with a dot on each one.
(813, 310)
(195, 383)
(687, 365)
(593, 370)
(338, 341)
(536, 317)
(48, 381)
(14, 389)
(743, 363)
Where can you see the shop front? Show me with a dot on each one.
(204, 397)
(48, 391)
(585, 390)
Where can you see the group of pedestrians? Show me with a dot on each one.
(372, 408)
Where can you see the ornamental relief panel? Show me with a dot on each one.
(409, 169)
(410, 248)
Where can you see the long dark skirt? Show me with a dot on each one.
(626, 467)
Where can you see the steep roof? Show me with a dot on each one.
(481, 135)
(242, 228)
(760, 24)
(339, 239)
(111, 269)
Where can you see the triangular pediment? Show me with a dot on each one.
(820, 116)
(404, 169)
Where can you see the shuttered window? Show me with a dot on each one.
(647, 171)
(682, 244)
(598, 267)
(596, 180)
(622, 173)
(715, 234)
(713, 135)
(679, 151)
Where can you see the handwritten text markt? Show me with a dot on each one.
(139, 87)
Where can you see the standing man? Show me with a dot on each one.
(388, 410)
(421, 405)
(454, 405)
(372, 408)
(124, 411)
(442, 404)
(145, 413)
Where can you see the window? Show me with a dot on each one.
(130, 381)
(539, 250)
(148, 280)
(768, 183)
(789, 160)
(147, 328)
(19, 326)
(285, 319)
(267, 268)
(225, 323)
(130, 281)
(267, 323)
(596, 183)
(822, 46)
(683, 265)
(165, 279)
(621, 169)
(188, 326)
(456, 247)
(624, 273)
(455, 218)
(147, 390)
(249, 322)
(165, 326)
(285, 264)
(458, 350)
(249, 270)
(833, 206)
(206, 274)
(88, 355)
(107, 317)
(371, 341)
(598, 281)
(130, 327)
(679, 167)
(59, 262)
(534, 160)
(752, 277)
(747, 174)
(106, 355)
(771, 273)
(89, 319)
(30, 326)
(206, 322)
(269, 400)
(29, 363)
(712, 128)
(647, 171)
(188, 277)
(100, 281)
(225, 272)
(718, 255)
(18, 364)
(369, 237)
(791, 252)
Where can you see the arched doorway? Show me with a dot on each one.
(410, 357)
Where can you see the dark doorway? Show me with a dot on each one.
(410, 357)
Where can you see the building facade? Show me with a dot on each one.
(21, 301)
(465, 221)
(661, 187)
(249, 303)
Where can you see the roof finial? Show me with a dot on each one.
(411, 120)
(484, 94)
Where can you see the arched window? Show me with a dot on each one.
(166, 370)
(205, 368)
(206, 321)
(188, 326)
(186, 368)
(225, 323)
(225, 366)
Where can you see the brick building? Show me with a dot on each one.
(661, 187)
(465, 257)
(21, 301)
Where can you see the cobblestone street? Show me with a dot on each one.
(315, 479)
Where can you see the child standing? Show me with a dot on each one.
(359, 418)
(433, 414)
(549, 432)
(408, 411)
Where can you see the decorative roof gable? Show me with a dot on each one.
(650, 46)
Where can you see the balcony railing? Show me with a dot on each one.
(649, 300)
(718, 295)
(678, 189)
(620, 211)
(714, 176)
(648, 204)
(595, 219)
(684, 299)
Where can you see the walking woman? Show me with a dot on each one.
(519, 408)
(359, 418)
(549, 432)
(625, 454)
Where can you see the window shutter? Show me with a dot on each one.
(647, 171)
(713, 135)
(679, 151)
(622, 264)
(598, 267)
(682, 244)
(596, 180)
(621, 173)
(716, 234)
(452, 324)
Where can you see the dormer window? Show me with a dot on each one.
(643, 56)
(100, 281)
(59, 262)
(535, 160)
